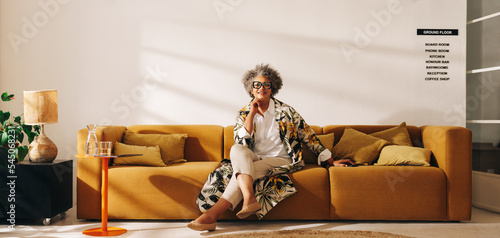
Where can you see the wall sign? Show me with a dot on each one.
(437, 51)
(437, 32)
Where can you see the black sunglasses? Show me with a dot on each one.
(257, 85)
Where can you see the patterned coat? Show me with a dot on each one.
(293, 132)
(277, 185)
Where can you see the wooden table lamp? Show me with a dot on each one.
(40, 108)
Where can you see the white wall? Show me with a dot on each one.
(180, 62)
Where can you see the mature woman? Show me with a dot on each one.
(268, 134)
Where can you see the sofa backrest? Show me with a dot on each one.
(213, 142)
(204, 142)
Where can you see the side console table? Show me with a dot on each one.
(41, 190)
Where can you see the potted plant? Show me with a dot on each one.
(12, 134)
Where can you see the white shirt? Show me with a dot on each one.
(267, 137)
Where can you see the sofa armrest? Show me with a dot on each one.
(89, 172)
(452, 149)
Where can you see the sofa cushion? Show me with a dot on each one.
(171, 145)
(141, 192)
(414, 132)
(204, 142)
(150, 155)
(404, 155)
(358, 146)
(312, 200)
(397, 135)
(388, 193)
(326, 140)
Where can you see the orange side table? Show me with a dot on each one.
(104, 230)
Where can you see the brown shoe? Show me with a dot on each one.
(201, 227)
(249, 210)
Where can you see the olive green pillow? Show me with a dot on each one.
(171, 145)
(326, 140)
(404, 155)
(150, 155)
(358, 147)
(396, 136)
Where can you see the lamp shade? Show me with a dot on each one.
(40, 107)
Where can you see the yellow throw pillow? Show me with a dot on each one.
(404, 155)
(150, 155)
(358, 147)
(397, 135)
(326, 140)
(171, 145)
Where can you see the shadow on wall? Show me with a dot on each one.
(407, 114)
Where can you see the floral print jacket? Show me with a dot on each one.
(293, 132)
(277, 185)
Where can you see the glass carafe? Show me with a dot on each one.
(91, 146)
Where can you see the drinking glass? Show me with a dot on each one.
(105, 148)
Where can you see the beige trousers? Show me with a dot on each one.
(245, 161)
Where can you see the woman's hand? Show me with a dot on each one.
(342, 163)
(255, 107)
(339, 163)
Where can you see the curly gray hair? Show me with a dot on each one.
(263, 70)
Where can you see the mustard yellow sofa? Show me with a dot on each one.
(441, 192)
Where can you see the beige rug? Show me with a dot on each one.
(312, 233)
